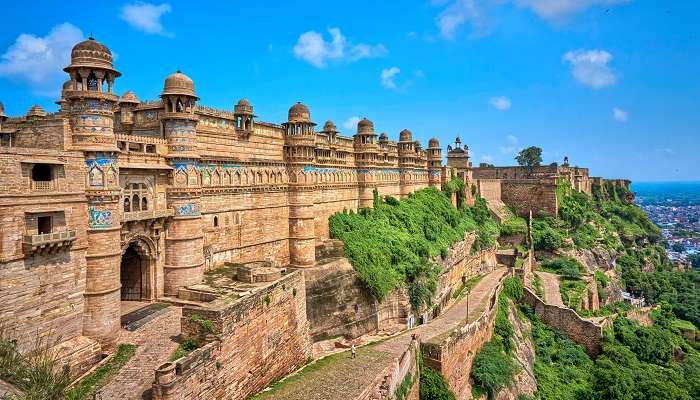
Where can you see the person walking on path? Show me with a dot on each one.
(353, 350)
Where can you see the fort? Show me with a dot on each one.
(112, 203)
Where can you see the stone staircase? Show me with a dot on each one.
(499, 210)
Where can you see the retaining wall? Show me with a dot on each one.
(259, 338)
(566, 321)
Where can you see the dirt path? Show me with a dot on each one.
(155, 347)
(550, 285)
(339, 377)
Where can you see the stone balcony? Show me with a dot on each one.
(148, 214)
(48, 242)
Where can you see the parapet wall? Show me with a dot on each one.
(453, 353)
(260, 338)
(385, 384)
(566, 321)
(525, 195)
(489, 189)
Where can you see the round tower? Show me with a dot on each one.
(299, 151)
(434, 162)
(243, 113)
(366, 157)
(407, 161)
(184, 250)
(89, 101)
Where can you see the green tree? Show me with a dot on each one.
(530, 157)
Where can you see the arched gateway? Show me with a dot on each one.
(136, 271)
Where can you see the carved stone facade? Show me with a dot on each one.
(112, 198)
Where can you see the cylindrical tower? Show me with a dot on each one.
(89, 102)
(434, 162)
(366, 155)
(299, 150)
(3, 117)
(184, 241)
(407, 161)
(127, 104)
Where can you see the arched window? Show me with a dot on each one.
(135, 203)
(127, 205)
(178, 106)
(144, 204)
(216, 221)
(92, 82)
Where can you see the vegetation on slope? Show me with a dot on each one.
(391, 244)
(494, 365)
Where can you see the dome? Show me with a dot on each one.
(178, 84)
(91, 54)
(243, 107)
(433, 143)
(129, 97)
(36, 111)
(417, 146)
(383, 137)
(243, 102)
(365, 126)
(329, 126)
(68, 85)
(299, 113)
(405, 136)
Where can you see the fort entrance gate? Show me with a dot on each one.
(136, 271)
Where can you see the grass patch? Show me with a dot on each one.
(186, 347)
(572, 292)
(86, 388)
(467, 287)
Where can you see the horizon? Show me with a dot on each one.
(579, 81)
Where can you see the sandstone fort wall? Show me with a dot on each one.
(525, 195)
(261, 338)
(566, 321)
(452, 354)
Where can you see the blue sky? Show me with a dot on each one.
(613, 84)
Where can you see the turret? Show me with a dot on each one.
(127, 105)
(90, 97)
(243, 113)
(179, 119)
(365, 143)
(458, 156)
(299, 139)
(35, 112)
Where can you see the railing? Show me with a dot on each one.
(45, 238)
(42, 186)
(148, 214)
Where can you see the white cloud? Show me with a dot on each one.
(146, 17)
(557, 11)
(512, 139)
(501, 103)
(314, 49)
(387, 77)
(459, 12)
(620, 115)
(351, 122)
(591, 68)
(38, 62)
(476, 13)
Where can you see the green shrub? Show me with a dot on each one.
(514, 226)
(492, 368)
(544, 236)
(564, 266)
(433, 386)
(513, 288)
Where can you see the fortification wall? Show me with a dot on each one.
(452, 354)
(385, 384)
(525, 195)
(566, 321)
(489, 189)
(260, 338)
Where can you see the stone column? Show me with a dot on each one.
(302, 239)
(184, 243)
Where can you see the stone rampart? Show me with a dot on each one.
(452, 353)
(489, 189)
(525, 195)
(259, 338)
(566, 321)
(385, 384)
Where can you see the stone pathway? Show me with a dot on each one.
(339, 377)
(550, 285)
(155, 341)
